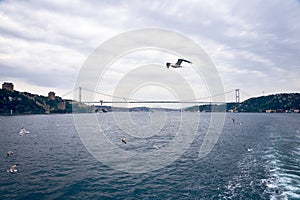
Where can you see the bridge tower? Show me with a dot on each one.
(79, 96)
(237, 95)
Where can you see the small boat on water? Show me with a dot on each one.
(23, 131)
(104, 110)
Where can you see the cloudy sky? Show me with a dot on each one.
(255, 45)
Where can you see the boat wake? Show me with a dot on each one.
(283, 160)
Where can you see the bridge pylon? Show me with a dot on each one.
(237, 95)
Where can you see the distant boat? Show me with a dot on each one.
(104, 110)
(101, 110)
(23, 131)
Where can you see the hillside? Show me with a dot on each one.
(15, 102)
(286, 102)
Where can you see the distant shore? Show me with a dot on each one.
(14, 103)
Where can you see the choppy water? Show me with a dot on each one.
(259, 159)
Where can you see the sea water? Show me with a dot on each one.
(256, 157)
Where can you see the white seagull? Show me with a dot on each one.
(13, 169)
(178, 64)
(9, 153)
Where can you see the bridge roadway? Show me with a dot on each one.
(153, 101)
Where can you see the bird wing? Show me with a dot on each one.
(12, 168)
(186, 61)
(179, 61)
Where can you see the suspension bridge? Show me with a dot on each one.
(111, 99)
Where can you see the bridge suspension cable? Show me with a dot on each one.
(134, 100)
(70, 92)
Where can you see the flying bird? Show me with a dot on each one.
(9, 153)
(177, 64)
(13, 169)
(23, 131)
(123, 140)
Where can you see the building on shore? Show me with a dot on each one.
(270, 111)
(51, 95)
(61, 105)
(8, 86)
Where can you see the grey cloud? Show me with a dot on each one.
(253, 36)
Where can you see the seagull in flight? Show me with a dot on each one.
(13, 169)
(9, 153)
(177, 64)
(123, 140)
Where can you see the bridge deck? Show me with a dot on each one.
(146, 102)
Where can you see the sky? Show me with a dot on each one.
(254, 45)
